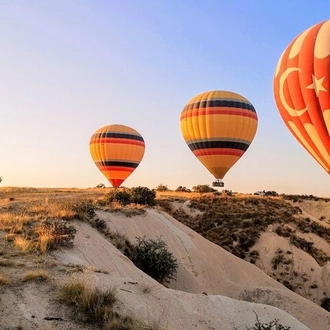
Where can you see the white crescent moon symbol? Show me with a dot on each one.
(292, 112)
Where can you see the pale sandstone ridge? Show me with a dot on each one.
(206, 267)
(173, 309)
(214, 289)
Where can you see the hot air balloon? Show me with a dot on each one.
(301, 90)
(218, 127)
(117, 150)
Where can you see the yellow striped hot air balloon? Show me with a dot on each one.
(117, 150)
(218, 127)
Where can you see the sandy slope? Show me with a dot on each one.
(167, 307)
(204, 296)
(318, 209)
(206, 267)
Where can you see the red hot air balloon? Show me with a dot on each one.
(117, 150)
(301, 89)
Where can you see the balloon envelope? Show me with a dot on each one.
(301, 90)
(218, 127)
(117, 150)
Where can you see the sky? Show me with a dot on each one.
(69, 67)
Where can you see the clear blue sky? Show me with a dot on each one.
(70, 67)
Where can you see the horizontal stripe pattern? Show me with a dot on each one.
(217, 139)
(117, 135)
(118, 141)
(219, 103)
(117, 163)
(218, 144)
(113, 169)
(218, 127)
(218, 152)
(217, 111)
(117, 151)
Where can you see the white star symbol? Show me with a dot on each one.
(317, 85)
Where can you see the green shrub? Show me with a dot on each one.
(183, 189)
(325, 303)
(283, 231)
(203, 188)
(272, 325)
(153, 257)
(84, 210)
(122, 243)
(100, 225)
(122, 197)
(162, 187)
(143, 195)
(60, 232)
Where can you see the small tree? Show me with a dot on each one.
(153, 257)
(162, 187)
(122, 197)
(203, 188)
(57, 231)
(272, 325)
(325, 303)
(183, 189)
(0, 178)
(143, 196)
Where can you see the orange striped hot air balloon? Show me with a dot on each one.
(218, 127)
(301, 89)
(117, 150)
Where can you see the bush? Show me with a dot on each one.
(183, 189)
(325, 303)
(136, 195)
(122, 197)
(272, 325)
(84, 210)
(153, 257)
(162, 187)
(122, 243)
(203, 188)
(143, 195)
(56, 233)
(271, 193)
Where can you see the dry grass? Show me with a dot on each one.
(36, 276)
(45, 241)
(125, 322)
(24, 245)
(99, 307)
(129, 210)
(90, 304)
(54, 233)
(6, 263)
(25, 214)
(178, 195)
(4, 280)
(12, 222)
(235, 223)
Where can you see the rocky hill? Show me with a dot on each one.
(53, 246)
